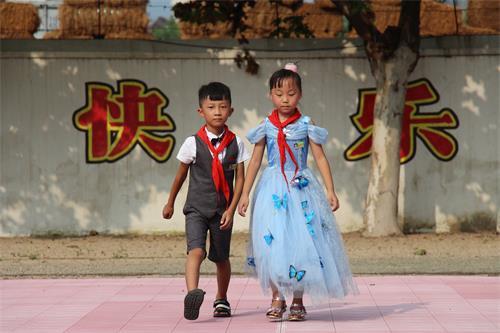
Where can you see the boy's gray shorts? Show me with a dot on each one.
(197, 227)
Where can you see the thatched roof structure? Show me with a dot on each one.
(110, 19)
(484, 14)
(18, 20)
(437, 19)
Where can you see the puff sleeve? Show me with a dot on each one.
(317, 134)
(257, 133)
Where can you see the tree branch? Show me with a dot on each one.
(361, 18)
(409, 23)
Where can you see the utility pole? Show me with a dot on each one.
(99, 34)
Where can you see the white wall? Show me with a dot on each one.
(46, 186)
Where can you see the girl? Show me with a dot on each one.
(295, 246)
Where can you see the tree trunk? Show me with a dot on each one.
(391, 75)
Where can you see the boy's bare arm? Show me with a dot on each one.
(238, 186)
(253, 169)
(180, 177)
(227, 218)
(326, 173)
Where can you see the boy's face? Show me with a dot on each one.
(215, 113)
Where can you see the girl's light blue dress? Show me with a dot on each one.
(295, 242)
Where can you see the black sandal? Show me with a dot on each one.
(222, 308)
(192, 304)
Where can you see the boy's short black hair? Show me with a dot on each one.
(276, 80)
(216, 91)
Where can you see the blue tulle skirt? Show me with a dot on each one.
(295, 243)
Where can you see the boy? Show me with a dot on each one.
(212, 156)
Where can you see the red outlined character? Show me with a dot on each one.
(429, 127)
(115, 122)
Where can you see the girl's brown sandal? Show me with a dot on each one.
(297, 312)
(275, 313)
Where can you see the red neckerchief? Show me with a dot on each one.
(218, 177)
(282, 144)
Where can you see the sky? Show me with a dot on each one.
(157, 8)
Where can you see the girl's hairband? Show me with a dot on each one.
(291, 67)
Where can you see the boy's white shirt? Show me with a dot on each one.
(187, 152)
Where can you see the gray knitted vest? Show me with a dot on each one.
(202, 196)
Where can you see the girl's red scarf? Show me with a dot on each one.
(218, 177)
(282, 144)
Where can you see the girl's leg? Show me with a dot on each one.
(297, 297)
(297, 309)
(278, 305)
(278, 299)
(276, 293)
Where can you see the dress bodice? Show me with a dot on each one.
(297, 136)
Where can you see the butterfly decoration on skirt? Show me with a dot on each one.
(280, 202)
(268, 238)
(300, 182)
(294, 273)
(251, 261)
(309, 217)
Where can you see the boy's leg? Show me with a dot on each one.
(196, 234)
(220, 241)
(196, 238)
(193, 262)
(223, 278)
(222, 308)
(220, 245)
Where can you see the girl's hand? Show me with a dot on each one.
(227, 220)
(333, 201)
(243, 205)
(168, 211)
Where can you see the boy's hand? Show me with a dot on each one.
(243, 205)
(227, 220)
(333, 201)
(168, 211)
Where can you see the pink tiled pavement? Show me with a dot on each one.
(411, 304)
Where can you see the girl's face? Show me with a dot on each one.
(286, 97)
